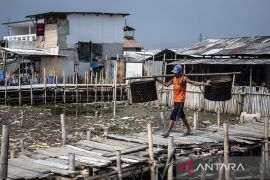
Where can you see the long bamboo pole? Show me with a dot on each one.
(170, 75)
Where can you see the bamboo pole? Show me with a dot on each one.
(55, 90)
(31, 91)
(115, 95)
(170, 75)
(77, 90)
(151, 151)
(4, 152)
(266, 147)
(45, 87)
(226, 150)
(87, 87)
(96, 87)
(63, 126)
(218, 117)
(170, 149)
(118, 164)
(102, 83)
(5, 69)
(195, 120)
(64, 87)
(20, 88)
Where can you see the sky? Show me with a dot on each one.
(162, 23)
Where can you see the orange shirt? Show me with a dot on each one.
(179, 89)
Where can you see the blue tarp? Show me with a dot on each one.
(96, 66)
(2, 75)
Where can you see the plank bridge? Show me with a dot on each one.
(96, 158)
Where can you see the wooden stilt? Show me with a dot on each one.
(96, 87)
(63, 125)
(45, 87)
(151, 151)
(87, 86)
(55, 90)
(170, 149)
(115, 92)
(226, 150)
(64, 88)
(4, 152)
(266, 147)
(20, 88)
(195, 120)
(71, 162)
(218, 117)
(77, 89)
(118, 164)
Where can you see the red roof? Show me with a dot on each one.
(131, 43)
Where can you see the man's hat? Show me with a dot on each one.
(177, 69)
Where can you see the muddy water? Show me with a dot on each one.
(42, 123)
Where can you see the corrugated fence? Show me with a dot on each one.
(244, 99)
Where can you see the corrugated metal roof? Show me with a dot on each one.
(131, 43)
(222, 61)
(42, 15)
(258, 45)
(30, 52)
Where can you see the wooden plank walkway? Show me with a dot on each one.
(98, 155)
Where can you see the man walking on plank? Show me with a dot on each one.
(179, 82)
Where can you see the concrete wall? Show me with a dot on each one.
(111, 50)
(98, 29)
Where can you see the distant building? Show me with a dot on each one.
(130, 43)
(71, 40)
